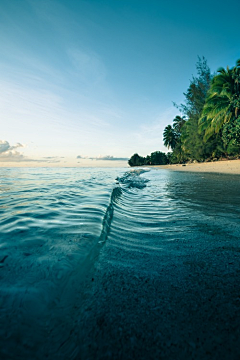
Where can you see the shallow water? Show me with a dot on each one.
(89, 259)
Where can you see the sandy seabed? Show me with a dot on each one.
(180, 302)
(225, 167)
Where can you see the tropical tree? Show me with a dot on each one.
(196, 93)
(223, 102)
(170, 137)
(158, 158)
(231, 137)
(191, 141)
(136, 160)
(178, 123)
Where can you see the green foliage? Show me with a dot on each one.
(178, 123)
(190, 144)
(156, 158)
(136, 160)
(197, 91)
(147, 160)
(212, 105)
(223, 101)
(170, 137)
(210, 127)
(231, 137)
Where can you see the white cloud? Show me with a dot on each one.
(53, 157)
(105, 157)
(111, 158)
(5, 146)
(8, 153)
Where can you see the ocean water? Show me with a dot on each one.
(119, 264)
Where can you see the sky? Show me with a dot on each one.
(90, 83)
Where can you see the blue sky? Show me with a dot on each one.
(89, 83)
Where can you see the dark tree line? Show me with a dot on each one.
(156, 158)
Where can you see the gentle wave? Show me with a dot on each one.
(52, 232)
(52, 226)
(56, 223)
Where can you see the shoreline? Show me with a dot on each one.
(223, 167)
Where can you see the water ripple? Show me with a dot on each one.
(54, 223)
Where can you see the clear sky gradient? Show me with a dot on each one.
(89, 83)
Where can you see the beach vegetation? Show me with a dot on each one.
(222, 105)
(170, 137)
(208, 126)
(211, 123)
(155, 158)
(136, 160)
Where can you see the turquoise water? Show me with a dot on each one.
(118, 263)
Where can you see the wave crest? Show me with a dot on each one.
(132, 179)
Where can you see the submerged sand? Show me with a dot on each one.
(175, 295)
(226, 167)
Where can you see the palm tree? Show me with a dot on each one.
(169, 137)
(223, 102)
(178, 123)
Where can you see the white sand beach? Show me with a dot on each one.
(225, 166)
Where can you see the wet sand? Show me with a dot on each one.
(225, 167)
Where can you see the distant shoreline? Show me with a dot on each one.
(224, 167)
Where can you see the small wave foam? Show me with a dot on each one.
(132, 179)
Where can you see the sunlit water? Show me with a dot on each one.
(60, 226)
